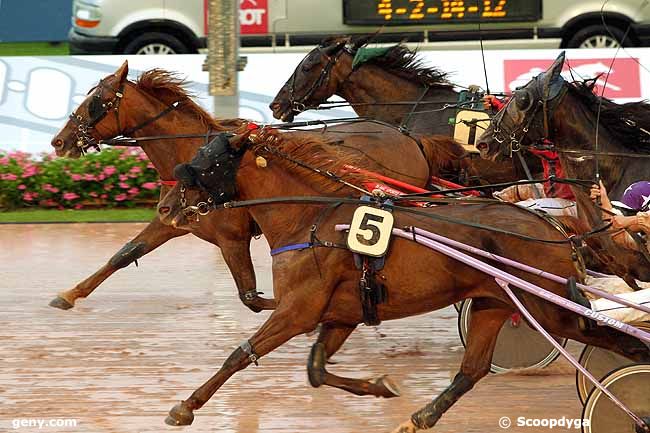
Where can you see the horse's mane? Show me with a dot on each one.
(315, 152)
(169, 87)
(624, 121)
(406, 64)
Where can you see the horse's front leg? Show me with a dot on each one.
(154, 235)
(330, 339)
(297, 313)
(238, 259)
(485, 323)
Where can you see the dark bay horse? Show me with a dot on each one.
(158, 105)
(565, 114)
(377, 87)
(320, 284)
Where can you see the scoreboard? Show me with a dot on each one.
(419, 12)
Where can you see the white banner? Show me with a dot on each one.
(38, 93)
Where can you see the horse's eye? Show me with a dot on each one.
(523, 100)
(95, 107)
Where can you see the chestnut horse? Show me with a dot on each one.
(549, 109)
(320, 284)
(157, 105)
(377, 87)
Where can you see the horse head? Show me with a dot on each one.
(525, 120)
(90, 122)
(317, 77)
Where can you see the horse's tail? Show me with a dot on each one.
(442, 153)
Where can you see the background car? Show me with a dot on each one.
(180, 26)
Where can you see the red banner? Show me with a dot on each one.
(624, 79)
(253, 17)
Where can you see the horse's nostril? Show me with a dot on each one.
(57, 143)
(482, 146)
(163, 210)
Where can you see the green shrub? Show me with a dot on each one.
(113, 177)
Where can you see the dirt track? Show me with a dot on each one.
(150, 335)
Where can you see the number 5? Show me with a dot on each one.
(370, 231)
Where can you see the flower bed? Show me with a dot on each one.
(113, 177)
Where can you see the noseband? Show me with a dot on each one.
(200, 209)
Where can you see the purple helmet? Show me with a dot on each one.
(637, 196)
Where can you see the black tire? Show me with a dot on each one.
(593, 33)
(167, 43)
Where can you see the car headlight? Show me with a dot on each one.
(87, 16)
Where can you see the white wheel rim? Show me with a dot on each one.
(596, 394)
(155, 49)
(600, 41)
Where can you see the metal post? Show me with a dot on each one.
(222, 60)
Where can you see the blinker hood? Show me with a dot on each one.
(213, 169)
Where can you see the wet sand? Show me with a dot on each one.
(151, 334)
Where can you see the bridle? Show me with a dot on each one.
(202, 208)
(98, 109)
(298, 105)
(544, 102)
(101, 108)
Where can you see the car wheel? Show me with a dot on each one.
(597, 36)
(156, 43)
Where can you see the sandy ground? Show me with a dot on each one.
(151, 334)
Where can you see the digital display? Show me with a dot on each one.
(413, 12)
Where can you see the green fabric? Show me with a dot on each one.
(366, 54)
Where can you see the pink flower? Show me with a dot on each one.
(121, 197)
(8, 176)
(97, 165)
(75, 177)
(78, 206)
(89, 176)
(4, 160)
(109, 170)
(50, 188)
(103, 196)
(22, 187)
(150, 185)
(136, 169)
(49, 202)
(133, 191)
(93, 194)
(108, 187)
(123, 177)
(102, 176)
(124, 185)
(29, 170)
(69, 196)
(29, 196)
(150, 165)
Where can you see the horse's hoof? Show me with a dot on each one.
(180, 415)
(389, 389)
(646, 420)
(61, 303)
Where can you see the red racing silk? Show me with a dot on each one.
(552, 167)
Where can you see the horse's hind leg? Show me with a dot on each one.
(329, 341)
(154, 235)
(486, 321)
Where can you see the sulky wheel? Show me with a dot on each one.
(600, 362)
(629, 384)
(518, 345)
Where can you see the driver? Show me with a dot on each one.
(629, 213)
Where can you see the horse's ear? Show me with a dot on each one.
(555, 70)
(357, 42)
(123, 71)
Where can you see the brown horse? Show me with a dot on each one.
(377, 87)
(565, 114)
(157, 105)
(320, 284)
